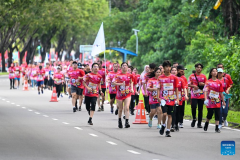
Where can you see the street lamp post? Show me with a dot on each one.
(136, 34)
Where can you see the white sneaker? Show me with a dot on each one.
(225, 123)
(181, 125)
(219, 126)
(58, 99)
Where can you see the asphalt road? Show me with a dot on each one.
(33, 128)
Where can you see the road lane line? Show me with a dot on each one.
(37, 112)
(8, 101)
(134, 152)
(112, 143)
(227, 128)
(3, 99)
(18, 105)
(12, 103)
(54, 119)
(235, 129)
(45, 116)
(94, 135)
(78, 128)
(23, 107)
(30, 110)
(65, 123)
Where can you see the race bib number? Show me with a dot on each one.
(102, 82)
(197, 91)
(11, 74)
(39, 76)
(33, 72)
(167, 86)
(17, 73)
(46, 73)
(214, 94)
(59, 81)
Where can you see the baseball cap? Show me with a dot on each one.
(220, 70)
(181, 67)
(79, 65)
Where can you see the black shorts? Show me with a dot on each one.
(45, 82)
(90, 103)
(112, 96)
(154, 106)
(167, 109)
(210, 113)
(103, 90)
(76, 90)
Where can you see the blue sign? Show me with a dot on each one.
(228, 148)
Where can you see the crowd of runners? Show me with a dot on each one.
(164, 88)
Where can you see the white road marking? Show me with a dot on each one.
(18, 105)
(30, 110)
(78, 128)
(8, 101)
(235, 129)
(65, 123)
(94, 135)
(134, 152)
(112, 143)
(227, 128)
(13, 103)
(3, 99)
(37, 113)
(23, 107)
(54, 119)
(45, 116)
(211, 124)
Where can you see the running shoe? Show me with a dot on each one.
(99, 109)
(193, 123)
(159, 126)
(102, 108)
(225, 123)
(199, 126)
(116, 112)
(39, 93)
(219, 126)
(112, 110)
(127, 125)
(124, 117)
(61, 95)
(217, 130)
(150, 123)
(58, 99)
(120, 124)
(176, 128)
(167, 134)
(155, 117)
(172, 129)
(80, 108)
(205, 126)
(42, 91)
(181, 125)
(74, 109)
(90, 122)
(161, 131)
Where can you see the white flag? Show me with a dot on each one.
(99, 43)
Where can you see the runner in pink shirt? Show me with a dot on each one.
(134, 80)
(103, 72)
(11, 75)
(167, 94)
(33, 76)
(58, 78)
(92, 84)
(112, 88)
(213, 95)
(23, 71)
(46, 69)
(152, 87)
(124, 83)
(17, 74)
(40, 78)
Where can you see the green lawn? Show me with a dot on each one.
(3, 73)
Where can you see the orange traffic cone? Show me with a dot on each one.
(25, 86)
(54, 95)
(140, 115)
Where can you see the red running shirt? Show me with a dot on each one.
(123, 91)
(92, 80)
(11, 71)
(58, 78)
(40, 75)
(181, 87)
(74, 75)
(213, 89)
(103, 73)
(167, 88)
(152, 83)
(197, 94)
(112, 88)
